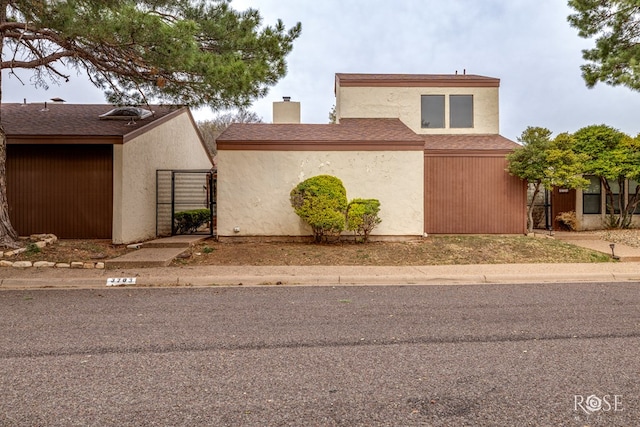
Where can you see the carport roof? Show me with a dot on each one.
(74, 120)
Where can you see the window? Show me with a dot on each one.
(591, 196)
(432, 111)
(126, 113)
(632, 191)
(461, 111)
(615, 192)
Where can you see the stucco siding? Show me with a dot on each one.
(254, 187)
(405, 103)
(174, 144)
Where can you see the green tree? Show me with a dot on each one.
(545, 163)
(187, 52)
(615, 24)
(614, 157)
(211, 129)
(321, 201)
(333, 119)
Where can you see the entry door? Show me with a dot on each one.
(562, 200)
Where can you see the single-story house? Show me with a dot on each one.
(89, 171)
(426, 146)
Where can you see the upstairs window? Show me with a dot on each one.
(461, 111)
(432, 111)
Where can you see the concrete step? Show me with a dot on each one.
(146, 257)
(185, 241)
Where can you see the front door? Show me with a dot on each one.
(562, 200)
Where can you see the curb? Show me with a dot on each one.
(301, 280)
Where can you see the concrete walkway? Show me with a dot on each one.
(155, 253)
(624, 253)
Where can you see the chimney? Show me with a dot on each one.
(286, 111)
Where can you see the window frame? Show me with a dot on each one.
(616, 196)
(631, 191)
(458, 110)
(592, 195)
(424, 109)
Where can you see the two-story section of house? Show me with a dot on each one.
(426, 146)
(427, 103)
(466, 187)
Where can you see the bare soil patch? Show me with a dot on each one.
(71, 250)
(434, 250)
(437, 250)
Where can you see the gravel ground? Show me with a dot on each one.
(625, 237)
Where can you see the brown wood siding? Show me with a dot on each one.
(66, 190)
(472, 195)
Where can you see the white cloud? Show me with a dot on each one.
(528, 45)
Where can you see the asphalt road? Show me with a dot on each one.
(501, 355)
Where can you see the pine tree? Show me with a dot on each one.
(181, 52)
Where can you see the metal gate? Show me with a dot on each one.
(185, 202)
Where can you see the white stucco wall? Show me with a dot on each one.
(254, 187)
(405, 103)
(171, 145)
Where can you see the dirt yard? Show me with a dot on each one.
(442, 250)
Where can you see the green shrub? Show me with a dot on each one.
(190, 221)
(362, 217)
(321, 201)
(32, 249)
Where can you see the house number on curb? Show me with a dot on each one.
(121, 281)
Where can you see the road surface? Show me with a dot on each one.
(480, 355)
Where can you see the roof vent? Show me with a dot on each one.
(126, 113)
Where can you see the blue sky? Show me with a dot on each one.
(528, 45)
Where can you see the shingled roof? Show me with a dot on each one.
(349, 132)
(72, 120)
(468, 142)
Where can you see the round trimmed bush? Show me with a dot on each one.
(321, 201)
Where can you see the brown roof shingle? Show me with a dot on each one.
(468, 142)
(350, 134)
(349, 130)
(32, 120)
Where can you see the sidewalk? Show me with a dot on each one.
(34, 278)
(149, 267)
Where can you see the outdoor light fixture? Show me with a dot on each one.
(613, 254)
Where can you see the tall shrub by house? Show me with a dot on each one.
(362, 217)
(321, 201)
